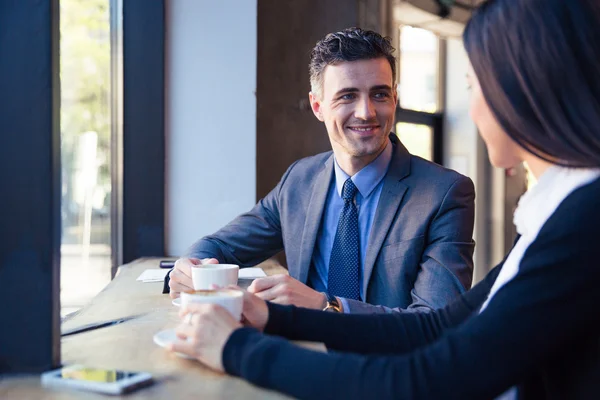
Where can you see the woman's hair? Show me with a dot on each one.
(538, 65)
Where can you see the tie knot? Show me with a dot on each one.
(349, 190)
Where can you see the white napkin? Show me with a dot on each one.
(251, 273)
(153, 275)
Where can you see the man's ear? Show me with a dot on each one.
(315, 105)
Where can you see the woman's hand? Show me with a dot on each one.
(204, 331)
(255, 312)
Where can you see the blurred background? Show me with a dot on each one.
(166, 106)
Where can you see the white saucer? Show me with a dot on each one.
(177, 302)
(163, 338)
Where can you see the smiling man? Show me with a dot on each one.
(366, 227)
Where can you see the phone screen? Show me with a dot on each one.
(80, 373)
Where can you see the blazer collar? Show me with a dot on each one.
(314, 214)
(400, 164)
(388, 206)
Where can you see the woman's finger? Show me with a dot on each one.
(184, 347)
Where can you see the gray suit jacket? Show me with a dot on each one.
(420, 249)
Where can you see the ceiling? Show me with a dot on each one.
(424, 14)
(469, 2)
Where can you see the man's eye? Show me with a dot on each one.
(348, 96)
(381, 95)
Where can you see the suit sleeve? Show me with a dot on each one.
(246, 241)
(536, 317)
(250, 238)
(446, 268)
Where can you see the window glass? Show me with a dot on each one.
(418, 84)
(418, 139)
(85, 152)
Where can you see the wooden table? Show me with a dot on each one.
(129, 346)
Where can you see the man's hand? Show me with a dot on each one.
(282, 289)
(181, 275)
(204, 332)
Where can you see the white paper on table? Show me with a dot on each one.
(153, 275)
(251, 273)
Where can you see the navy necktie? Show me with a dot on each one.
(344, 264)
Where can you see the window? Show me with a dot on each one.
(419, 66)
(419, 119)
(85, 152)
(418, 139)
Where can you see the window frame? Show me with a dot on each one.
(435, 120)
(138, 137)
(30, 175)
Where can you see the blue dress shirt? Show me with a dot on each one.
(369, 182)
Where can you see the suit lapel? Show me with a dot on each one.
(388, 206)
(313, 218)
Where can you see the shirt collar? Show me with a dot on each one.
(367, 178)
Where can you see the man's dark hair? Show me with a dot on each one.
(351, 44)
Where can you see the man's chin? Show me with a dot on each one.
(361, 152)
(370, 147)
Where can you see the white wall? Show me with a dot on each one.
(210, 116)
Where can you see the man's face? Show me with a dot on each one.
(357, 104)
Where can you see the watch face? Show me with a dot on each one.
(332, 304)
(331, 299)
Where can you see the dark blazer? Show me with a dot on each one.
(420, 248)
(540, 332)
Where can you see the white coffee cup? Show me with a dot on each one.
(231, 300)
(206, 275)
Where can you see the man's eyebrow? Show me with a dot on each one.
(354, 90)
(346, 90)
(382, 87)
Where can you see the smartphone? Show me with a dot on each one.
(108, 381)
(166, 264)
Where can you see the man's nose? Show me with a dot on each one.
(364, 110)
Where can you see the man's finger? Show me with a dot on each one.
(178, 287)
(269, 294)
(283, 300)
(180, 277)
(184, 265)
(260, 284)
(208, 261)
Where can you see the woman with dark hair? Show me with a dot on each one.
(530, 328)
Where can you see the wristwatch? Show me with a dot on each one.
(332, 305)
